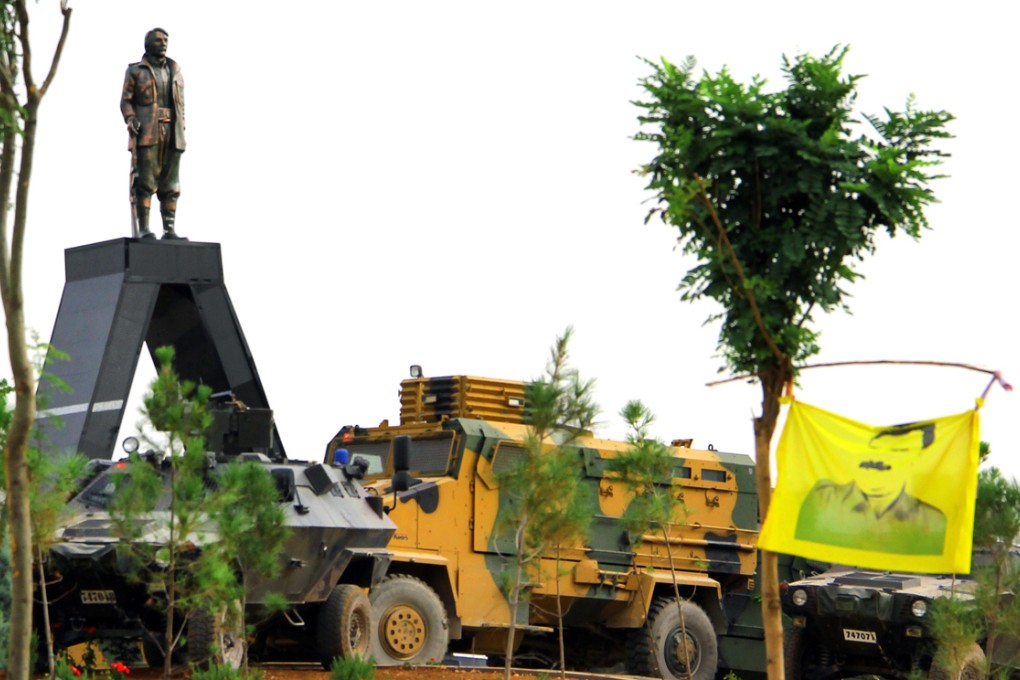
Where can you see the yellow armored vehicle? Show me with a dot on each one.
(446, 586)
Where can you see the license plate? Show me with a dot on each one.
(98, 597)
(860, 635)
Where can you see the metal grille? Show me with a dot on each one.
(507, 457)
(430, 456)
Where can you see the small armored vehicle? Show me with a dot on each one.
(334, 551)
(848, 622)
(445, 588)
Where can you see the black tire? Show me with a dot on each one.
(345, 624)
(209, 638)
(658, 650)
(411, 625)
(973, 666)
(201, 637)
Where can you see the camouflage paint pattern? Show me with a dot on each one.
(446, 521)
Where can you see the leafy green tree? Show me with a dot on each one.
(20, 98)
(178, 410)
(214, 524)
(646, 470)
(51, 482)
(993, 615)
(545, 503)
(250, 532)
(996, 529)
(777, 198)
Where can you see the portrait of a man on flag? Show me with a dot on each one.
(896, 497)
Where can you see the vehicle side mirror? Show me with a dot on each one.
(401, 464)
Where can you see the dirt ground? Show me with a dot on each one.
(291, 672)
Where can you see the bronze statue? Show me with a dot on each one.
(153, 108)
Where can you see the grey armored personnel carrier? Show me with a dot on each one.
(335, 550)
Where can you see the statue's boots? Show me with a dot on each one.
(168, 211)
(142, 216)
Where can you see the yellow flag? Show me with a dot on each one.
(893, 498)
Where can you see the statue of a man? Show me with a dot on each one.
(153, 108)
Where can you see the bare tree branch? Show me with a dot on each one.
(66, 11)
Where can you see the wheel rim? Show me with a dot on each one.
(404, 631)
(233, 650)
(970, 672)
(676, 660)
(357, 632)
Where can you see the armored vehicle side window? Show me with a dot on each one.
(713, 475)
(100, 491)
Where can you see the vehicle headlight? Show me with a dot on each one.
(799, 597)
(919, 608)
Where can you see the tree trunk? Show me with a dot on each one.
(772, 383)
(514, 599)
(19, 653)
(19, 657)
(20, 647)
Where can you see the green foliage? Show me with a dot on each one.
(163, 551)
(996, 510)
(215, 671)
(354, 667)
(954, 624)
(247, 506)
(646, 471)
(65, 670)
(992, 614)
(212, 524)
(543, 504)
(5, 419)
(53, 481)
(798, 194)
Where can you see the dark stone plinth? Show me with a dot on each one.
(120, 295)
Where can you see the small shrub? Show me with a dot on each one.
(354, 667)
(215, 671)
(65, 670)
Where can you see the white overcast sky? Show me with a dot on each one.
(451, 184)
